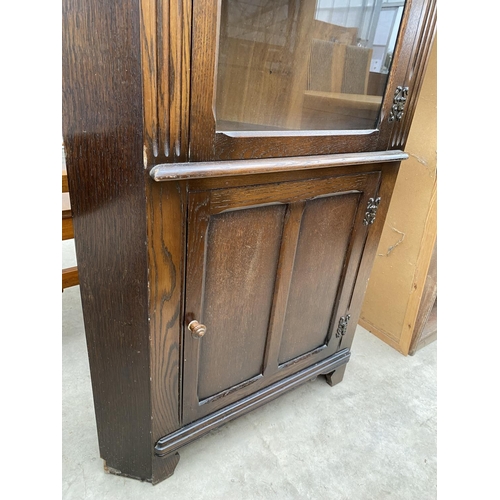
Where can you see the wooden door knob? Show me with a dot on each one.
(197, 329)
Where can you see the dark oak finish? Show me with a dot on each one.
(418, 44)
(166, 52)
(241, 261)
(239, 239)
(166, 208)
(217, 269)
(186, 434)
(319, 260)
(103, 145)
(416, 32)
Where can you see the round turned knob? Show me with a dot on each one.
(197, 329)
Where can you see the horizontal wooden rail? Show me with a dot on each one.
(70, 277)
(65, 187)
(67, 229)
(70, 274)
(200, 170)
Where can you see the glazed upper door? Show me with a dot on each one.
(295, 77)
(270, 274)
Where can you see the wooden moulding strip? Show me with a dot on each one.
(169, 444)
(200, 170)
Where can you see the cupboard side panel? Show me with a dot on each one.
(102, 133)
(387, 182)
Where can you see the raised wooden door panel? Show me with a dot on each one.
(270, 271)
(321, 249)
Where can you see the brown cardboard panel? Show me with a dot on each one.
(396, 283)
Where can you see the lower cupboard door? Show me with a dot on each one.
(269, 278)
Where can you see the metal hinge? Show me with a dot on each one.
(398, 103)
(342, 328)
(371, 211)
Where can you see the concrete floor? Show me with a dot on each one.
(371, 437)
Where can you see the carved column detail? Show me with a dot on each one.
(416, 71)
(166, 49)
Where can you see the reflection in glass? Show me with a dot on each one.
(304, 64)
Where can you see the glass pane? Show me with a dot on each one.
(304, 64)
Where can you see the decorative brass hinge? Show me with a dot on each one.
(398, 103)
(342, 328)
(371, 211)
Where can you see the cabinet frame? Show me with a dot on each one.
(179, 73)
(168, 410)
(206, 144)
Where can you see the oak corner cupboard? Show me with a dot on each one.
(230, 165)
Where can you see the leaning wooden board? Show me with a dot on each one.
(394, 297)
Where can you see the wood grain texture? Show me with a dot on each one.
(166, 208)
(102, 131)
(288, 251)
(138, 91)
(324, 237)
(417, 43)
(388, 178)
(207, 144)
(240, 268)
(397, 74)
(205, 30)
(339, 268)
(68, 232)
(69, 277)
(166, 52)
(255, 179)
(236, 317)
(164, 467)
